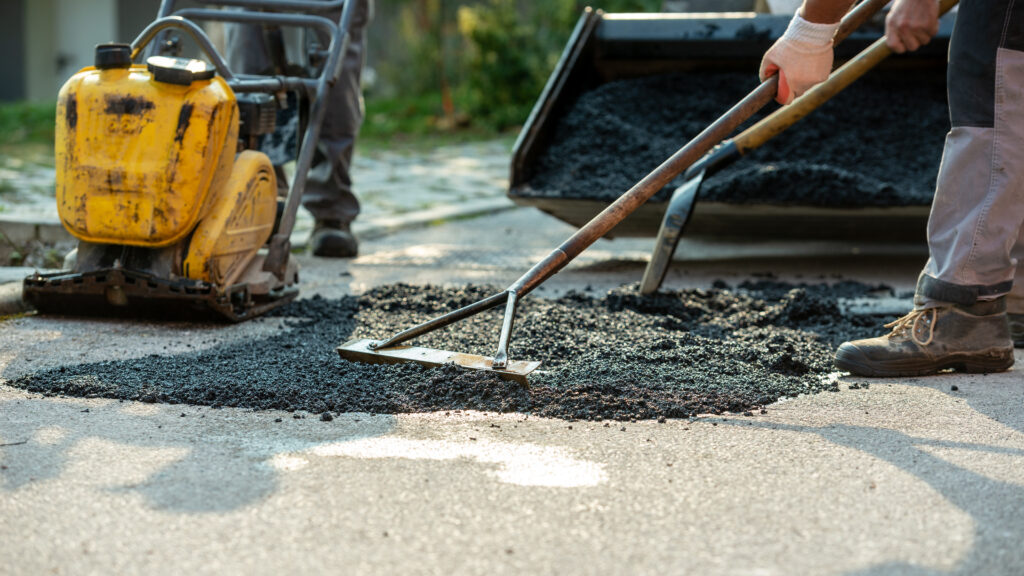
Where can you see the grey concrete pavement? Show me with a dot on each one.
(897, 479)
(901, 477)
(499, 248)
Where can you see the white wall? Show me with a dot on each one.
(40, 33)
(61, 37)
(81, 25)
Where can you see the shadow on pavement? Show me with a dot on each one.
(180, 458)
(197, 459)
(995, 506)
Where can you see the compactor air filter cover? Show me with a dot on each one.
(180, 71)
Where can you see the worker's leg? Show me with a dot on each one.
(328, 193)
(246, 49)
(960, 317)
(979, 203)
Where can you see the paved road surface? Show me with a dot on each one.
(906, 477)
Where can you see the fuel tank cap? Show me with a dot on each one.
(110, 56)
(181, 71)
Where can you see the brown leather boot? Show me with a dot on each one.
(972, 338)
(333, 239)
(1016, 329)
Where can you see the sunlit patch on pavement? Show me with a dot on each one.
(49, 435)
(519, 464)
(288, 463)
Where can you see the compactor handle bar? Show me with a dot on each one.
(184, 20)
(310, 6)
(265, 12)
(156, 27)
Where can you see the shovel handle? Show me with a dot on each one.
(784, 117)
(714, 134)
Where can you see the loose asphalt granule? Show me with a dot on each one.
(620, 356)
(878, 143)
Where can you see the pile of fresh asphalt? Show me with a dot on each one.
(620, 356)
(878, 143)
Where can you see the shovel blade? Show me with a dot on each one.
(358, 350)
(679, 211)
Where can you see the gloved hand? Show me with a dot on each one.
(802, 57)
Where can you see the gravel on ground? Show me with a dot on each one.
(619, 356)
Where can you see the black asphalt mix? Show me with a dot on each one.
(618, 356)
(878, 143)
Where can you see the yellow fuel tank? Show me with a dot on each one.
(136, 157)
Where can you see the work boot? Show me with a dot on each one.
(1016, 329)
(972, 338)
(333, 239)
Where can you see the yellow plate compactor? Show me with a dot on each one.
(160, 176)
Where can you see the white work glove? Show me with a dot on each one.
(802, 57)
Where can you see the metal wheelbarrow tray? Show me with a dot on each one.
(608, 47)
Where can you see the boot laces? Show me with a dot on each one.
(910, 323)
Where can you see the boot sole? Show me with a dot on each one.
(853, 361)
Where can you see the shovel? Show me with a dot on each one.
(680, 207)
(390, 351)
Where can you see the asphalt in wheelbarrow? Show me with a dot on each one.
(617, 356)
(878, 143)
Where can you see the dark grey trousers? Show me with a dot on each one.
(328, 194)
(976, 229)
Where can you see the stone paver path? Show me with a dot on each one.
(389, 184)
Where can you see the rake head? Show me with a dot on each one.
(359, 350)
(391, 352)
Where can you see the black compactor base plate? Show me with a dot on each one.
(124, 293)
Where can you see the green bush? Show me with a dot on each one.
(511, 49)
(27, 122)
(417, 67)
(508, 58)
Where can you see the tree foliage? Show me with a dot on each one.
(512, 47)
(490, 58)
